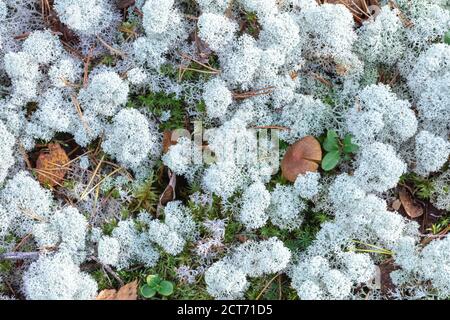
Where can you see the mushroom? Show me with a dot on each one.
(301, 157)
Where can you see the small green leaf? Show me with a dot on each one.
(331, 160)
(331, 141)
(153, 280)
(347, 139)
(351, 148)
(447, 37)
(331, 134)
(147, 291)
(166, 288)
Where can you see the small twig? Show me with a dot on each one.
(198, 70)
(92, 177)
(109, 270)
(406, 22)
(191, 17)
(185, 56)
(113, 50)
(19, 255)
(80, 113)
(31, 214)
(254, 93)
(99, 183)
(22, 36)
(138, 12)
(321, 79)
(47, 174)
(267, 286)
(86, 62)
(69, 48)
(25, 156)
(271, 127)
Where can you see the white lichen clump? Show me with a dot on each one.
(286, 208)
(6, 150)
(379, 168)
(105, 93)
(25, 202)
(129, 139)
(255, 201)
(85, 16)
(308, 185)
(227, 278)
(56, 277)
(431, 153)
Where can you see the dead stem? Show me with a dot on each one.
(111, 49)
(48, 175)
(254, 93)
(109, 270)
(80, 113)
(85, 194)
(31, 214)
(25, 156)
(185, 56)
(321, 79)
(92, 177)
(406, 22)
(271, 127)
(267, 286)
(86, 62)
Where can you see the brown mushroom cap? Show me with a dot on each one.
(301, 157)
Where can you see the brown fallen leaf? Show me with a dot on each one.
(127, 292)
(51, 165)
(168, 193)
(386, 284)
(412, 210)
(301, 157)
(108, 294)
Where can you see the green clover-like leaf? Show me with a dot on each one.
(147, 291)
(165, 288)
(331, 160)
(153, 280)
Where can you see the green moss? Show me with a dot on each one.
(159, 103)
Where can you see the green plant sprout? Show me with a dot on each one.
(155, 284)
(447, 37)
(336, 149)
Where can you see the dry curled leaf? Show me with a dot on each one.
(386, 284)
(108, 294)
(51, 165)
(127, 292)
(301, 157)
(168, 193)
(168, 140)
(412, 210)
